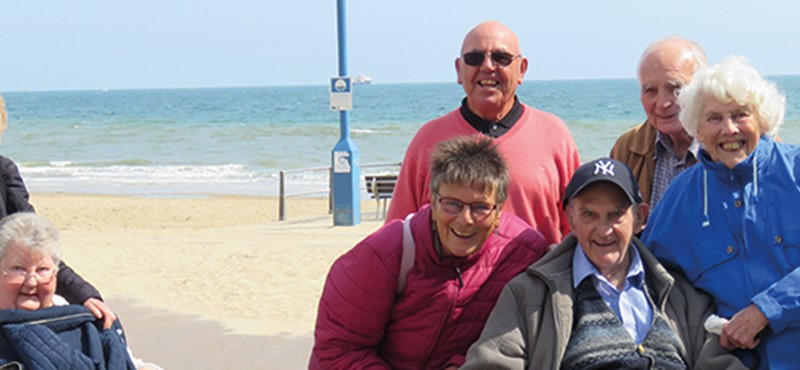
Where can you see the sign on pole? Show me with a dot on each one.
(341, 93)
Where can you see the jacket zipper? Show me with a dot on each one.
(57, 319)
(446, 318)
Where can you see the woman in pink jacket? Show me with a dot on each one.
(373, 314)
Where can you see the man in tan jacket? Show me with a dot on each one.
(659, 149)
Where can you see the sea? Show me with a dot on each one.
(237, 141)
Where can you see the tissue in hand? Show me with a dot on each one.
(714, 324)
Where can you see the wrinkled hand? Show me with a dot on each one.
(741, 330)
(452, 367)
(101, 311)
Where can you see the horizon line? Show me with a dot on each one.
(133, 88)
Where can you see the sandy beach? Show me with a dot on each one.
(207, 282)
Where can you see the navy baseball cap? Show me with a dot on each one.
(603, 169)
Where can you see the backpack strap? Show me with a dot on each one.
(407, 259)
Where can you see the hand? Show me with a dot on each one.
(741, 330)
(452, 367)
(101, 311)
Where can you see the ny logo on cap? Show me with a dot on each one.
(604, 168)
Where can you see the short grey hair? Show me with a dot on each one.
(733, 79)
(696, 54)
(31, 230)
(471, 161)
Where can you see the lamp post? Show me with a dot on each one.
(345, 155)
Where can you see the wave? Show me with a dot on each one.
(125, 162)
(138, 173)
(230, 178)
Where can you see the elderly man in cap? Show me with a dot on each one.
(600, 297)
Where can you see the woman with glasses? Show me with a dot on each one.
(382, 309)
(29, 256)
(64, 337)
(13, 199)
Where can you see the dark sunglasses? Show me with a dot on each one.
(501, 58)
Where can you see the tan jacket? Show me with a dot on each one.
(531, 324)
(637, 149)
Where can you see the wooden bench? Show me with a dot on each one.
(380, 187)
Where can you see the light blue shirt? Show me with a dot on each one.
(631, 304)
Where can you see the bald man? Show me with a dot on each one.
(537, 146)
(659, 149)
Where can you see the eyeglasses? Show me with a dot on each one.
(501, 58)
(18, 275)
(453, 206)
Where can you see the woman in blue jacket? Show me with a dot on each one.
(34, 329)
(729, 223)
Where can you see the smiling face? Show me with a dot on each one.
(603, 221)
(490, 87)
(729, 132)
(462, 234)
(662, 74)
(25, 293)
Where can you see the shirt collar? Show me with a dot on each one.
(664, 144)
(486, 127)
(582, 268)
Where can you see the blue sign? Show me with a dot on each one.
(341, 94)
(340, 85)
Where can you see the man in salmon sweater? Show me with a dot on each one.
(537, 145)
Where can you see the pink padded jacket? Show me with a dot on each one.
(362, 324)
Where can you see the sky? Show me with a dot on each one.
(81, 44)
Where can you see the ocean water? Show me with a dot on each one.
(235, 140)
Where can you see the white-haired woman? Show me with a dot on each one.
(29, 256)
(729, 224)
(64, 337)
(13, 199)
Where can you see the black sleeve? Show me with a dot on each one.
(72, 287)
(15, 194)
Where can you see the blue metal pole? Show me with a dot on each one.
(345, 155)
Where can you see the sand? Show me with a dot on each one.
(207, 282)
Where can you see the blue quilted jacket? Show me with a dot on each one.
(61, 337)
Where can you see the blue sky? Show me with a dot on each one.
(81, 44)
